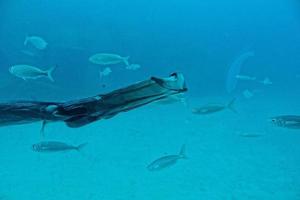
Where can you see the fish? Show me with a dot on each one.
(133, 67)
(248, 94)
(30, 72)
(251, 135)
(213, 108)
(266, 81)
(55, 146)
(108, 59)
(287, 121)
(245, 78)
(105, 72)
(36, 41)
(167, 161)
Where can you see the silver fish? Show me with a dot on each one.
(251, 135)
(166, 161)
(248, 94)
(54, 146)
(245, 78)
(108, 59)
(133, 67)
(105, 72)
(287, 121)
(266, 81)
(30, 72)
(36, 41)
(213, 108)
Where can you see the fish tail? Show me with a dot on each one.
(182, 153)
(125, 59)
(81, 146)
(231, 105)
(26, 40)
(50, 71)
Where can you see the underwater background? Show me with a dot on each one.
(232, 156)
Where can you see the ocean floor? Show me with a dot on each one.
(230, 156)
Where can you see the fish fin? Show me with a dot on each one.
(50, 71)
(26, 40)
(182, 153)
(42, 130)
(231, 107)
(125, 59)
(81, 146)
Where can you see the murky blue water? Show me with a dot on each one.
(234, 156)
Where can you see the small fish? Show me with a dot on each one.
(266, 81)
(251, 135)
(133, 67)
(213, 108)
(287, 121)
(30, 72)
(54, 146)
(108, 59)
(247, 94)
(245, 78)
(36, 41)
(105, 72)
(167, 161)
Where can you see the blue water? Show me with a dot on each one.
(201, 39)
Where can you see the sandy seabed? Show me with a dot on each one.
(230, 156)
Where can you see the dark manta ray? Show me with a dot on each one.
(78, 113)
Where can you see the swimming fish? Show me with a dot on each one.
(36, 41)
(105, 72)
(251, 134)
(54, 146)
(167, 161)
(248, 94)
(266, 81)
(245, 78)
(133, 67)
(287, 121)
(30, 72)
(212, 108)
(108, 59)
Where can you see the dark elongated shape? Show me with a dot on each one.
(80, 112)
